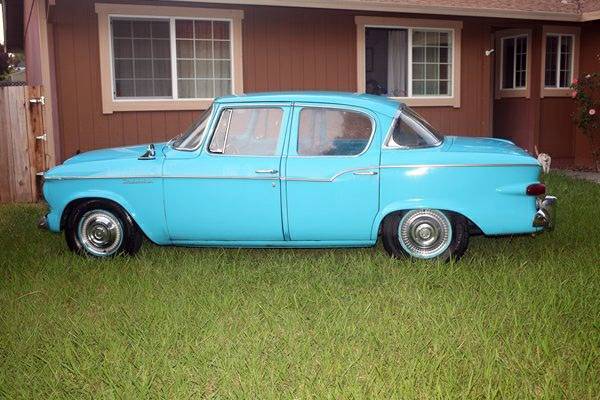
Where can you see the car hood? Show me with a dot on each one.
(116, 153)
(484, 145)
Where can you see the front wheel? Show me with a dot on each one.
(425, 234)
(101, 229)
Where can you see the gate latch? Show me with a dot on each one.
(43, 137)
(38, 100)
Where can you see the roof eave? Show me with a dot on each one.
(435, 10)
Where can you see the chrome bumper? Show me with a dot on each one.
(545, 217)
(43, 222)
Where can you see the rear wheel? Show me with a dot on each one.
(101, 229)
(425, 234)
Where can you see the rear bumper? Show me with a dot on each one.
(545, 217)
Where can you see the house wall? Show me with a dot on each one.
(298, 49)
(284, 49)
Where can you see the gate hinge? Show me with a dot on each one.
(38, 100)
(43, 137)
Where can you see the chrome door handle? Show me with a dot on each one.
(266, 171)
(365, 173)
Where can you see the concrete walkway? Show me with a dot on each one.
(588, 176)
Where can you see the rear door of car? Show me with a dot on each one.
(332, 173)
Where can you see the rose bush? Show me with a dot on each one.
(586, 92)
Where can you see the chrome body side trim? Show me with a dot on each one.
(343, 172)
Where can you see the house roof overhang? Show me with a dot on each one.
(563, 10)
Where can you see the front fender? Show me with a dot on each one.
(143, 201)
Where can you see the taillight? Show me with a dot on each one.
(536, 189)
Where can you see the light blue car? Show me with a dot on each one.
(300, 170)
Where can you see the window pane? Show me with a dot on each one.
(217, 144)
(248, 131)
(331, 132)
(386, 52)
(566, 55)
(508, 63)
(435, 52)
(142, 29)
(141, 51)
(551, 61)
(199, 56)
(222, 87)
(205, 89)
(521, 62)
(186, 88)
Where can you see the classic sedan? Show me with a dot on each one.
(300, 170)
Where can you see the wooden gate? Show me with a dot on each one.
(22, 143)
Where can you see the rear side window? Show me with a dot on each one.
(247, 131)
(412, 131)
(333, 132)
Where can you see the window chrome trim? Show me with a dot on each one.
(209, 124)
(354, 109)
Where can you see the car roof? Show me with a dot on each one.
(379, 104)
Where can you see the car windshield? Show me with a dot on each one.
(190, 139)
(412, 130)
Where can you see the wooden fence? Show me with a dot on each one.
(22, 143)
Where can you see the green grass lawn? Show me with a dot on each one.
(516, 318)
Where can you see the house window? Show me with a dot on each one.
(514, 62)
(407, 62)
(142, 58)
(559, 61)
(161, 58)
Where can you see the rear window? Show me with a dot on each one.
(411, 130)
(333, 132)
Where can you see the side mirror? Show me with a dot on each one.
(150, 153)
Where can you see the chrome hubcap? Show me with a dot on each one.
(100, 232)
(425, 233)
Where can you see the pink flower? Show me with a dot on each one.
(573, 94)
(592, 111)
(575, 81)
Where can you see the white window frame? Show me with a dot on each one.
(454, 28)
(549, 30)
(514, 77)
(106, 12)
(558, 56)
(521, 91)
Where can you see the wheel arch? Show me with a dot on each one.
(114, 200)
(400, 208)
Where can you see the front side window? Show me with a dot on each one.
(408, 62)
(171, 58)
(333, 132)
(514, 62)
(247, 131)
(559, 61)
(412, 131)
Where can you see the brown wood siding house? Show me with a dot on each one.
(279, 45)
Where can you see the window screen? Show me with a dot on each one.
(203, 58)
(141, 56)
(333, 132)
(247, 131)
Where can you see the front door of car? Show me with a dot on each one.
(231, 190)
(332, 173)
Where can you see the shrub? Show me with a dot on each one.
(586, 92)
